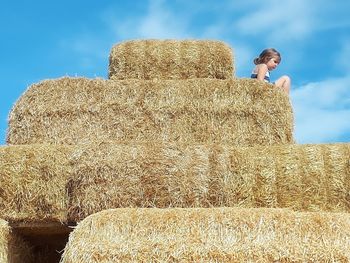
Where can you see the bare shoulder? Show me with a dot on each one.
(261, 67)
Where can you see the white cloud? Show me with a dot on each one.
(279, 21)
(322, 111)
(326, 94)
(321, 126)
(158, 21)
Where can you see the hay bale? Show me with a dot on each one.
(33, 183)
(13, 249)
(299, 177)
(68, 183)
(171, 59)
(242, 112)
(210, 235)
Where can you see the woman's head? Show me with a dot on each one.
(266, 55)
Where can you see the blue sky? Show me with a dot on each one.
(50, 39)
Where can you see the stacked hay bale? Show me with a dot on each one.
(210, 235)
(166, 105)
(78, 110)
(173, 128)
(33, 180)
(60, 183)
(299, 177)
(171, 59)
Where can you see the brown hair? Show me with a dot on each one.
(266, 55)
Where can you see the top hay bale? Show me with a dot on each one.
(240, 112)
(171, 59)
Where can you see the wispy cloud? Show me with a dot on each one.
(87, 44)
(278, 20)
(322, 110)
(87, 50)
(157, 21)
(160, 22)
(331, 15)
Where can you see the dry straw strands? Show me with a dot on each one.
(210, 235)
(33, 183)
(304, 177)
(68, 183)
(75, 110)
(4, 234)
(13, 249)
(171, 59)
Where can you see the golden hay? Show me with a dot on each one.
(171, 59)
(33, 180)
(241, 112)
(300, 177)
(4, 234)
(13, 249)
(210, 235)
(68, 183)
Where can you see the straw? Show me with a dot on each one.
(210, 235)
(68, 183)
(242, 112)
(171, 59)
(13, 248)
(33, 183)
